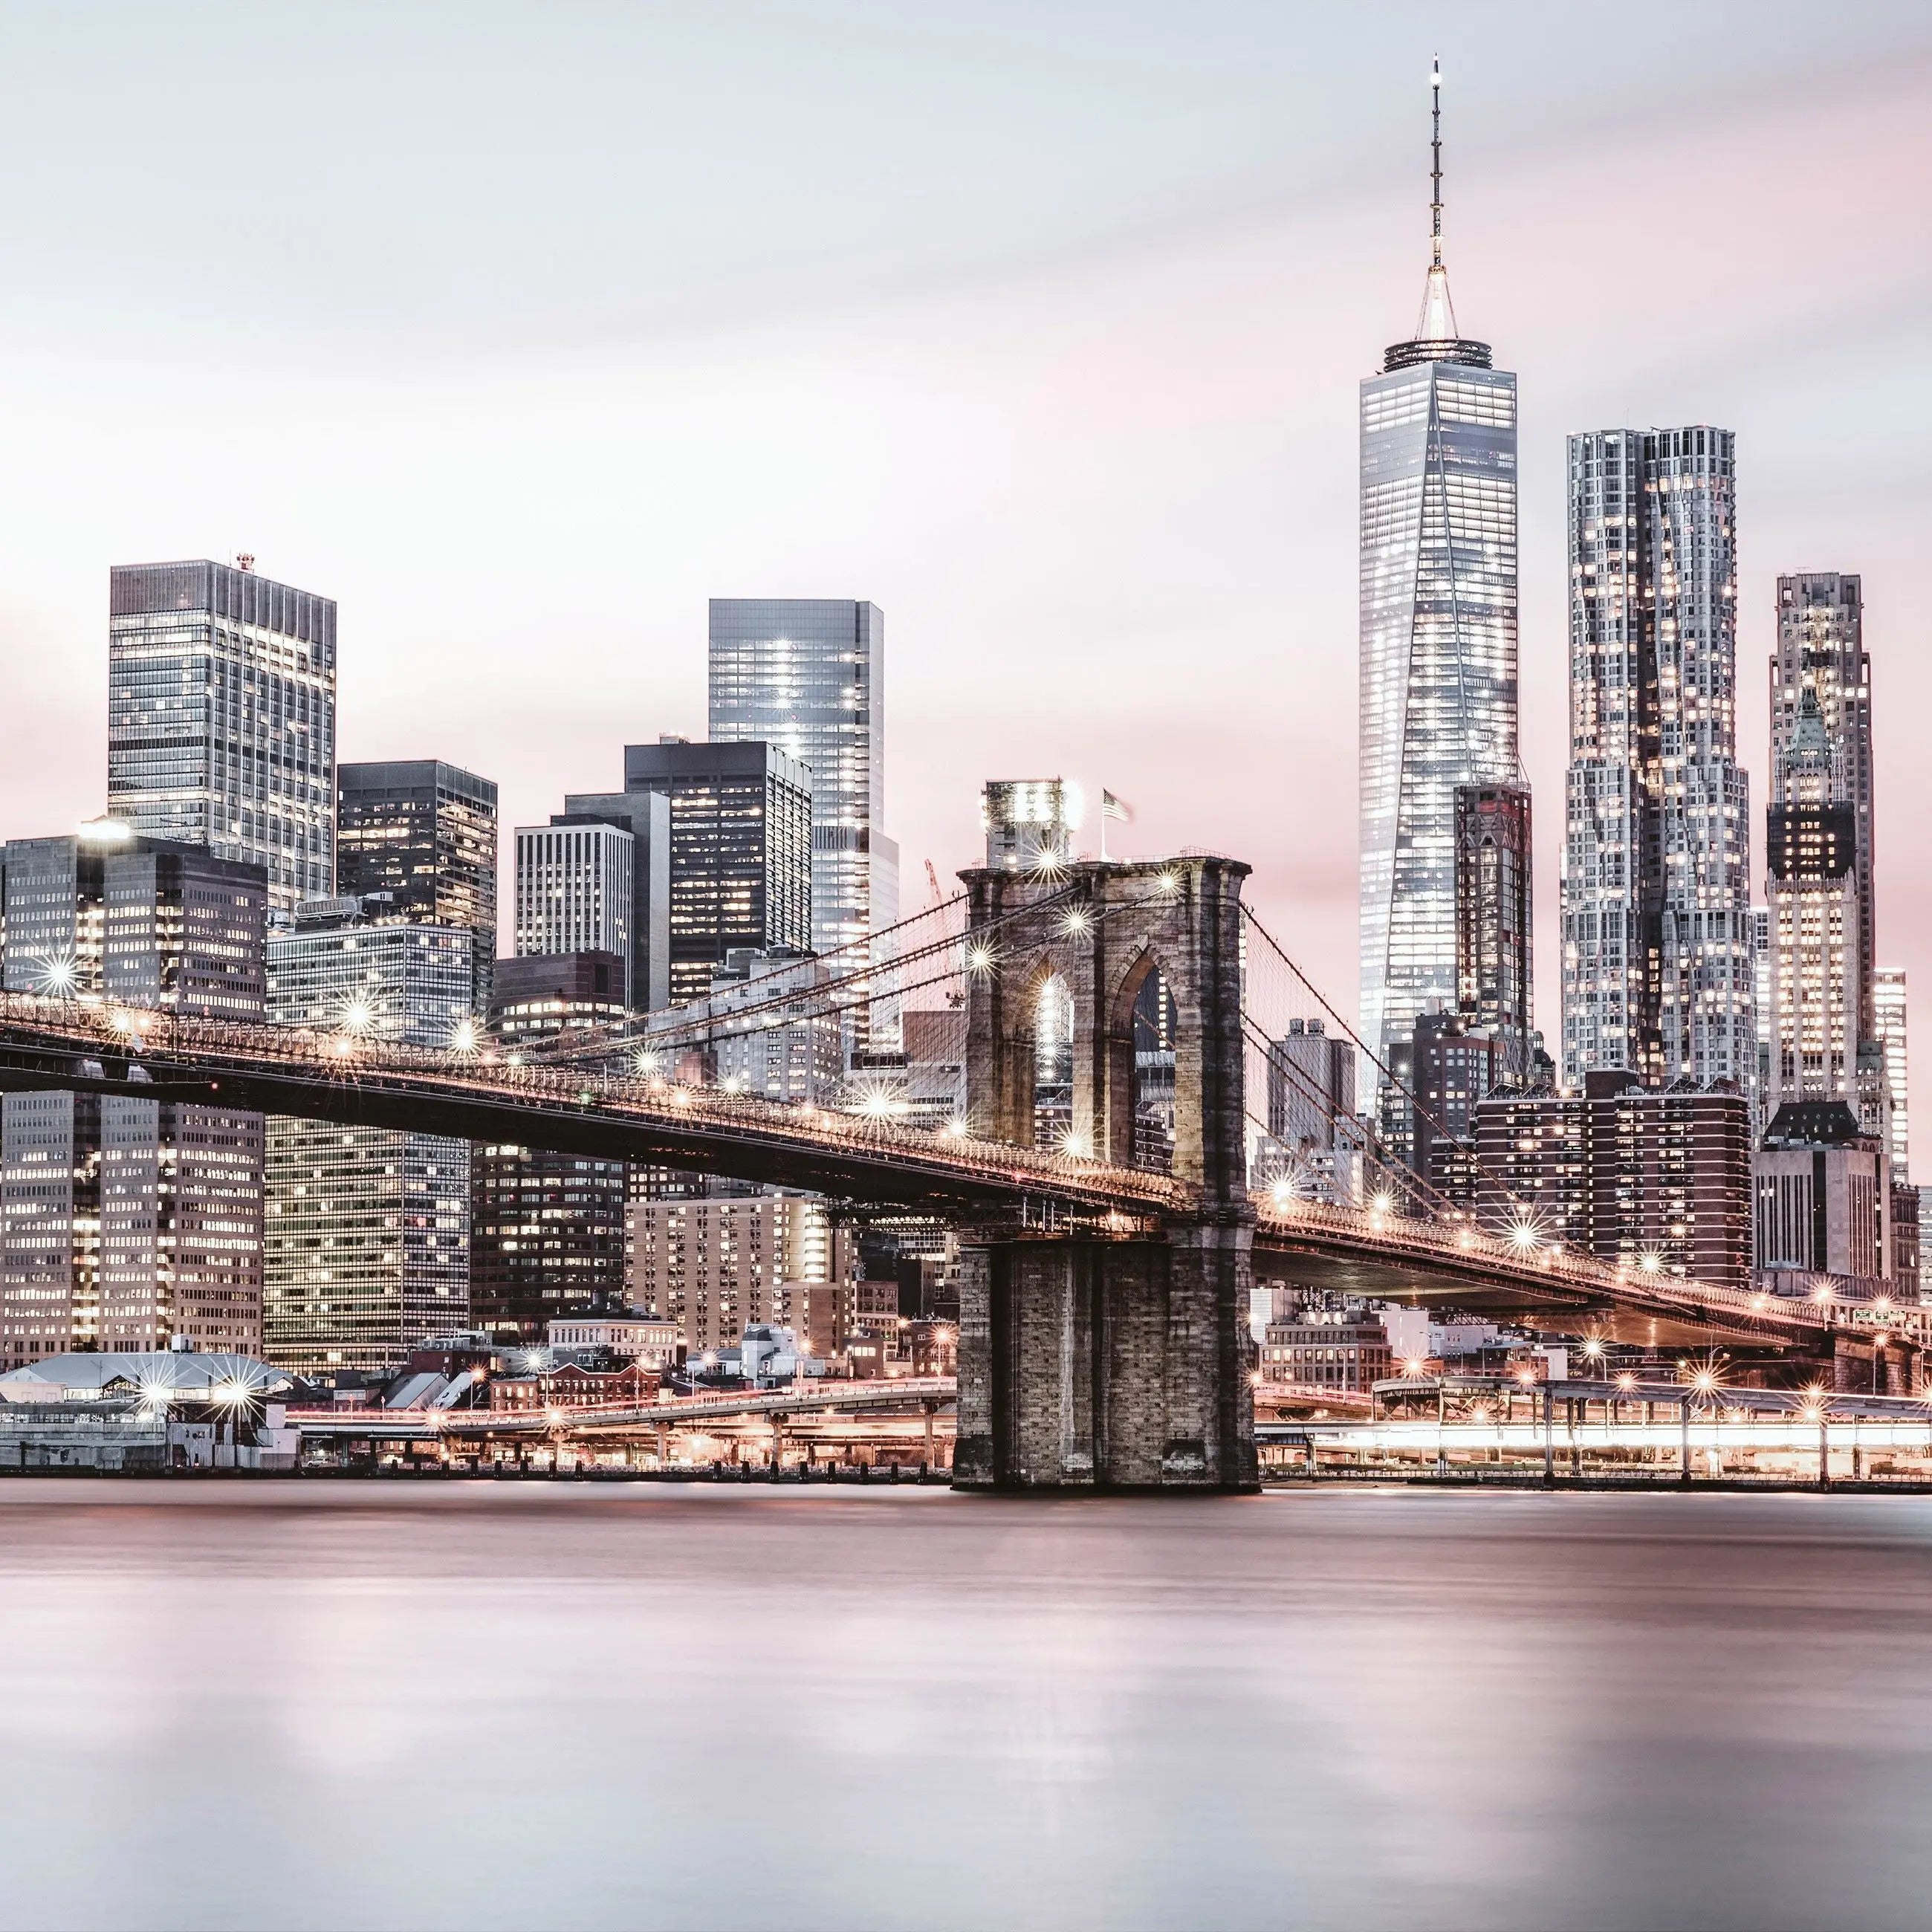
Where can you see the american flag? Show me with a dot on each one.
(1112, 807)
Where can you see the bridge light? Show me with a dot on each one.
(1626, 1380)
(1073, 1145)
(466, 1036)
(1168, 882)
(1650, 1262)
(60, 974)
(1822, 1292)
(956, 1128)
(646, 1063)
(1383, 1202)
(1414, 1367)
(1078, 921)
(979, 958)
(1523, 1236)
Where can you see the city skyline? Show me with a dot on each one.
(1753, 353)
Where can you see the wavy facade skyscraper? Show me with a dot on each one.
(1658, 946)
(1438, 637)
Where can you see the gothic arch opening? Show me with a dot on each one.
(1052, 1061)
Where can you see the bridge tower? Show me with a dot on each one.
(1107, 1352)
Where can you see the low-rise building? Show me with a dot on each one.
(1338, 1345)
(651, 1339)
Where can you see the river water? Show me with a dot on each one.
(334, 1704)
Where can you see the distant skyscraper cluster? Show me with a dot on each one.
(1671, 976)
(241, 873)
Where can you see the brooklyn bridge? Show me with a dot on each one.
(1104, 1297)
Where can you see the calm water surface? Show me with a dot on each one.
(317, 1704)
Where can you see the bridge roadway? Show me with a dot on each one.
(909, 1393)
(89, 1046)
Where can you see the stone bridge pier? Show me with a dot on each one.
(1100, 1352)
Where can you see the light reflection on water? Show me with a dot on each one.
(337, 1704)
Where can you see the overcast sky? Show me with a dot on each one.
(522, 330)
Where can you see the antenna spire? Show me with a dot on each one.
(1436, 162)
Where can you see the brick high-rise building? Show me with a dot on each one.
(1657, 1178)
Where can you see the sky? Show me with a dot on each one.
(523, 330)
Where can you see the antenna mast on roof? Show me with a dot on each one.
(1436, 162)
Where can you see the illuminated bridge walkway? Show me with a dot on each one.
(89, 1045)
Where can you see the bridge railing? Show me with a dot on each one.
(1397, 1235)
(156, 1039)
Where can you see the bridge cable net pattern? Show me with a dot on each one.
(1406, 1218)
(618, 1073)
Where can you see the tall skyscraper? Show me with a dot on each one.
(368, 1231)
(807, 675)
(221, 718)
(1811, 883)
(575, 880)
(1658, 939)
(741, 851)
(1821, 653)
(1438, 636)
(424, 833)
(1493, 919)
(125, 1221)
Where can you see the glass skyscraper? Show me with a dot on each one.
(221, 718)
(1439, 641)
(1659, 966)
(807, 675)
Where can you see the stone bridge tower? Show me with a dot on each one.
(1101, 1352)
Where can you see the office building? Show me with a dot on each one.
(1311, 1087)
(798, 1058)
(716, 1266)
(1493, 899)
(221, 718)
(125, 1221)
(367, 1239)
(550, 993)
(1657, 1179)
(1658, 966)
(547, 1230)
(645, 815)
(575, 879)
(1030, 824)
(1822, 1201)
(1820, 664)
(1438, 640)
(1313, 1143)
(807, 676)
(423, 834)
(741, 851)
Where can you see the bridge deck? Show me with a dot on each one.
(89, 1045)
